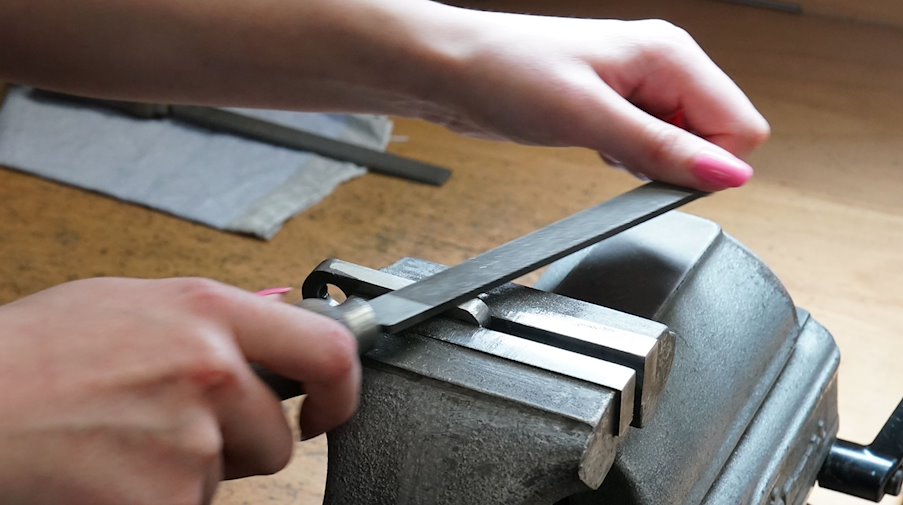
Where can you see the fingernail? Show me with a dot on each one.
(721, 170)
(272, 292)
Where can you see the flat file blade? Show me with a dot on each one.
(403, 308)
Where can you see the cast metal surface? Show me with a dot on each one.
(777, 459)
(456, 413)
(746, 368)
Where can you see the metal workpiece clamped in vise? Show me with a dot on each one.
(665, 365)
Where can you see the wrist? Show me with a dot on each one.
(390, 57)
(415, 50)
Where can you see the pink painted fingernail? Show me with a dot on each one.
(721, 170)
(272, 292)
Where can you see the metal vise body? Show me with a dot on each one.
(667, 365)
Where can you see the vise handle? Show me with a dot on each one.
(871, 471)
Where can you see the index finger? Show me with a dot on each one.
(300, 345)
(685, 80)
(715, 108)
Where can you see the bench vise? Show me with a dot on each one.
(664, 366)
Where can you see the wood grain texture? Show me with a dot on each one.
(825, 210)
(889, 12)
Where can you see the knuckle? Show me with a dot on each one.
(210, 362)
(207, 359)
(680, 36)
(201, 294)
(657, 25)
(668, 45)
(206, 349)
(667, 33)
(672, 33)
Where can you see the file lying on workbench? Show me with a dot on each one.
(217, 179)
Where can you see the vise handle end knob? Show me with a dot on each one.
(355, 313)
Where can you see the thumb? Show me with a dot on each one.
(664, 152)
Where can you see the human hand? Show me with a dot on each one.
(135, 391)
(641, 93)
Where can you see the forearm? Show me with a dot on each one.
(606, 85)
(358, 55)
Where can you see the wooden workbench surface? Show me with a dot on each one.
(825, 210)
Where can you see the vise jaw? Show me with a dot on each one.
(519, 389)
